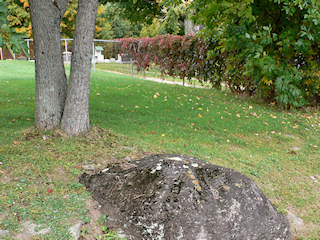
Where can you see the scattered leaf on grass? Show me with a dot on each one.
(293, 152)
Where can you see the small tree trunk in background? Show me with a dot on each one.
(51, 81)
(75, 118)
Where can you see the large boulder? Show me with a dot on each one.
(177, 197)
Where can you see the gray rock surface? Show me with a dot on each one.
(295, 220)
(127, 158)
(177, 197)
(89, 167)
(4, 232)
(75, 231)
(29, 231)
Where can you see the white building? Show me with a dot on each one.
(98, 54)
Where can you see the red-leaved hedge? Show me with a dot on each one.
(178, 56)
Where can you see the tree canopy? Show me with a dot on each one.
(9, 38)
(115, 19)
(270, 47)
(139, 10)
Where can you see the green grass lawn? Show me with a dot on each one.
(152, 72)
(279, 150)
(126, 69)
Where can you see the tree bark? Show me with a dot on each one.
(51, 81)
(75, 118)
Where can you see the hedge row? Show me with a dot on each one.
(192, 57)
(177, 56)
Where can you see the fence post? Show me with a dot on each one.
(131, 61)
(93, 57)
(183, 81)
(28, 44)
(66, 50)
(1, 53)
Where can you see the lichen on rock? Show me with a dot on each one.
(178, 197)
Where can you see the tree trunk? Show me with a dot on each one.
(75, 118)
(51, 82)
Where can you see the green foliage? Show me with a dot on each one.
(269, 47)
(111, 235)
(106, 31)
(173, 21)
(151, 30)
(115, 19)
(69, 19)
(113, 25)
(144, 18)
(138, 10)
(9, 38)
(19, 17)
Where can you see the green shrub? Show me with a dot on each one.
(266, 47)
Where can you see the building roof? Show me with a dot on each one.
(99, 48)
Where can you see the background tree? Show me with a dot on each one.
(69, 19)
(113, 20)
(9, 38)
(114, 25)
(139, 10)
(19, 16)
(151, 30)
(265, 47)
(173, 22)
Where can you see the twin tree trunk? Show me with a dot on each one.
(57, 103)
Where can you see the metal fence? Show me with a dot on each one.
(66, 43)
(110, 52)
